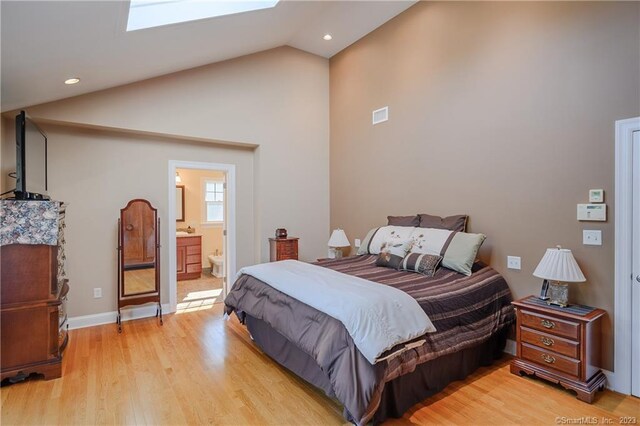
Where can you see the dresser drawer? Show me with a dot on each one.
(551, 360)
(283, 256)
(283, 248)
(550, 325)
(550, 342)
(288, 251)
(194, 258)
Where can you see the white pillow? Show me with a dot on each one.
(385, 234)
(458, 249)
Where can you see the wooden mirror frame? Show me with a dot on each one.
(180, 218)
(148, 296)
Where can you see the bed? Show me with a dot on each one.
(472, 316)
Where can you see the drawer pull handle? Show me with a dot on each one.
(548, 359)
(546, 341)
(547, 324)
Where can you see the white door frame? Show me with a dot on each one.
(623, 246)
(229, 223)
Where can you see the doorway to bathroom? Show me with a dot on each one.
(201, 247)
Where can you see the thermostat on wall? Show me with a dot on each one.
(594, 212)
(596, 196)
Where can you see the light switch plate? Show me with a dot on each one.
(97, 293)
(513, 262)
(591, 237)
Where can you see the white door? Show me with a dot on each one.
(225, 254)
(635, 286)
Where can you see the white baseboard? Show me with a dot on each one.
(128, 314)
(510, 349)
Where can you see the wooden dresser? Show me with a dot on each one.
(559, 346)
(33, 293)
(189, 257)
(283, 248)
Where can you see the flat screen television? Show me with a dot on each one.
(31, 160)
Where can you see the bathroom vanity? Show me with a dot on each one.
(189, 257)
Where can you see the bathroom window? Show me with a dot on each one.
(213, 208)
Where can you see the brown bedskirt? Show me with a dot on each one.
(399, 394)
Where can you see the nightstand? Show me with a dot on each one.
(561, 345)
(283, 248)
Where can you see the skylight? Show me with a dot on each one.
(155, 13)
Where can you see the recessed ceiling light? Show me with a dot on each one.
(72, 80)
(327, 37)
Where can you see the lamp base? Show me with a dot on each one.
(335, 253)
(558, 294)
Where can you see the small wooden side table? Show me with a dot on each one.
(561, 345)
(283, 248)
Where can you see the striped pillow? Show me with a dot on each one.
(458, 249)
(425, 264)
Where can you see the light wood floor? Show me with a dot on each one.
(199, 294)
(200, 369)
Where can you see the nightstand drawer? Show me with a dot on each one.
(551, 360)
(550, 325)
(550, 342)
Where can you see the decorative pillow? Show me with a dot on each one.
(385, 235)
(364, 245)
(452, 223)
(425, 264)
(403, 220)
(458, 249)
(392, 253)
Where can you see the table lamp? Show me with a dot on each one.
(336, 242)
(559, 267)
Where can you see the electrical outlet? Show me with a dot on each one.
(591, 237)
(513, 262)
(357, 242)
(97, 293)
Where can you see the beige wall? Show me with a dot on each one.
(193, 209)
(504, 111)
(97, 173)
(275, 101)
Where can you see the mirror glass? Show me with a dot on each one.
(179, 203)
(138, 223)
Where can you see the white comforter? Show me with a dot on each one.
(378, 317)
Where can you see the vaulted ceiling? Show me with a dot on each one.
(46, 42)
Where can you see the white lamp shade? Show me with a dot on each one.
(558, 264)
(339, 239)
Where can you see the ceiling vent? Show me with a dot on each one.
(380, 115)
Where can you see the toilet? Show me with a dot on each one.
(217, 265)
